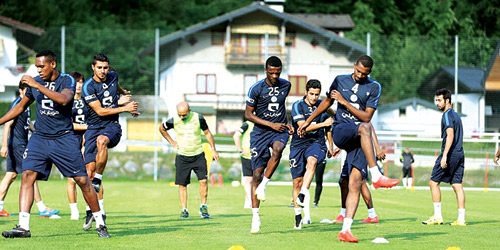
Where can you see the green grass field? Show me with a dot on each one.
(144, 215)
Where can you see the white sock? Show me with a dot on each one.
(98, 176)
(342, 212)
(24, 220)
(298, 210)
(255, 212)
(263, 183)
(1, 205)
(461, 214)
(347, 224)
(405, 182)
(437, 210)
(101, 206)
(74, 208)
(304, 189)
(41, 206)
(307, 208)
(375, 173)
(98, 219)
(371, 213)
(410, 182)
(87, 208)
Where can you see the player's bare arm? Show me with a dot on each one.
(79, 127)
(6, 131)
(236, 139)
(250, 115)
(100, 111)
(450, 133)
(211, 141)
(364, 116)
(167, 137)
(378, 150)
(329, 139)
(63, 98)
(16, 110)
(497, 156)
(323, 106)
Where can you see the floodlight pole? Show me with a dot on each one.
(157, 68)
(455, 102)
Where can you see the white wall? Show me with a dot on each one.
(473, 108)
(9, 57)
(421, 119)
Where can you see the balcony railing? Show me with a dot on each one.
(227, 101)
(251, 55)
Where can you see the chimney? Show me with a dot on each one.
(277, 5)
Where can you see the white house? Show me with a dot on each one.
(13, 34)
(213, 64)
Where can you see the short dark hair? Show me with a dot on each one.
(100, 57)
(22, 85)
(49, 54)
(445, 93)
(77, 75)
(313, 84)
(365, 60)
(273, 61)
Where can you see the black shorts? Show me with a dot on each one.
(15, 158)
(184, 165)
(453, 174)
(407, 172)
(246, 166)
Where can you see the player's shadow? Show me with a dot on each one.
(229, 216)
(400, 219)
(412, 236)
(128, 231)
(482, 222)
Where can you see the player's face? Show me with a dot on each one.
(361, 72)
(440, 102)
(79, 85)
(272, 74)
(312, 95)
(101, 70)
(183, 114)
(45, 67)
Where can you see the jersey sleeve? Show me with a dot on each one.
(243, 128)
(29, 93)
(203, 123)
(14, 103)
(88, 93)
(449, 121)
(168, 124)
(372, 101)
(69, 83)
(296, 114)
(333, 86)
(252, 96)
(323, 118)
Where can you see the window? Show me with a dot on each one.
(298, 84)
(290, 39)
(249, 80)
(459, 107)
(205, 83)
(217, 38)
(402, 112)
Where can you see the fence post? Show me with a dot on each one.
(63, 49)
(486, 175)
(157, 69)
(412, 177)
(368, 43)
(386, 169)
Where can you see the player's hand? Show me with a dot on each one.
(124, 99)
(380, 155)
(328, 122)
(4, 151)
(245, 152)
(215, 154)
(337, 96)
(495, 160)
(126, 92)
(329, 154)
(28, 80)
(336, 152)
(443, 162)
(279, 127)
(174, 144)
(135, 114)
(290, 129)
(131, 107)
(301, 130)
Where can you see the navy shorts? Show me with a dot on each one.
(407, 172)
(298, 158)
(260, 142)
(15, 158)
(62, 151)
(345, 136)
(112, 131)
(184, 165)
(452, 174)
(246, 167)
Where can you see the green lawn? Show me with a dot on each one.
(144, 215)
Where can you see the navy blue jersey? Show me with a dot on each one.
(269, 101)
(360, 95)
(52, 119)
(79, 111)
(300, 112)
(451, 119)
(20, 126)
(107, 94)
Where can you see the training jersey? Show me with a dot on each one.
(19, 130)
(300, 112)
(107, 94)
(269, 101)
(245, 130)
(52, 119)
(79, 112)
(360, 95)
(188, 133)
(451, 119)
(406, 159)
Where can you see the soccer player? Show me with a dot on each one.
(357, 96)
(78, 112)
(101, 93)
(188, 126)
(449, 165)
(306, 152)
(15, 138)
(407, 159)
(265, 106)
(52, 142)
(243, 147)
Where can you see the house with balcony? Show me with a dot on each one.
(212, 64)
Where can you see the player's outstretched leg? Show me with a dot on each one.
(256, 180)
(203, 195)
(91, 198)
(272, 164)
(459, 191)
(101, 160)
(297, 184)
(367, 196)
(71, 190)
(437, 218)
(378, 180)
(4, 187)
(355, 182)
